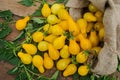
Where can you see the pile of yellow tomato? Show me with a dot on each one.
(61, 38)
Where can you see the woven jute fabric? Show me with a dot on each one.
(108, 56)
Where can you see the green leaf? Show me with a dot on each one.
(20, 36)
(29, 76)
(114, 78)
(74, 60)
(38, 12)
(69, 35)
(87, 77)
(106, 78)
(7, 15)
(8, 44)
(13, 71)
(118, 67)
(60, 1)
(2, 54)
(15, 60)
(29, 27)
(55, 75)
(76, 76)
(4, 30)
(38, 20)
(6, 52)
(26, 2)
(21, 76)
(6, 55)
(37, 0)
(43, 78)
(0, 26)
(3, 43)
(92, 77)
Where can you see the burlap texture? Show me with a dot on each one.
(77, 3)
(108, 56)
(76, 13)
(107, 59)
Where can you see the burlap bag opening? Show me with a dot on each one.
(108, 57)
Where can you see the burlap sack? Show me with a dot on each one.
(77, 3)
(108, 57)
(76, 7)
(76, 13)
